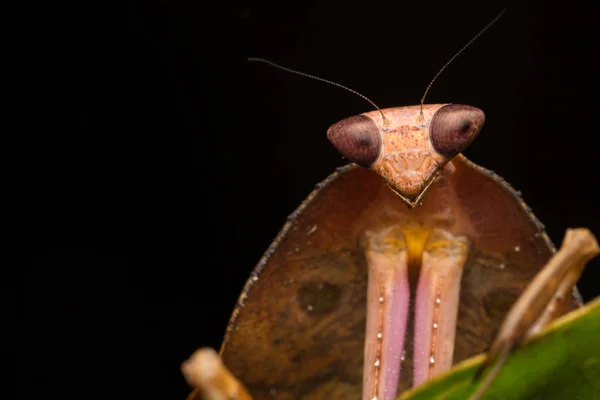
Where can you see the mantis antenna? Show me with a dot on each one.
(492, 22)
(256, 59)
(421, 117)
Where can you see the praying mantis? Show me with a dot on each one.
(396, 267)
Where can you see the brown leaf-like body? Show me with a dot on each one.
(298, 330)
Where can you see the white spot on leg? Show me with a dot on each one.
(431, 360)
(381, 299)
(377, 362)
(438, 300)
(517, 248)
(379, 336)
(435, 325)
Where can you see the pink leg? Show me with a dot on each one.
(436, 307)
(387, 313)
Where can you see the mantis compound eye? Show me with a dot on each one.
(454, 127)
(357, 138)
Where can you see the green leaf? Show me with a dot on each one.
(562, 362)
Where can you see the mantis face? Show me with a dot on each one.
(408, 148)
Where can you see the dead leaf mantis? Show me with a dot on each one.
(431, 282)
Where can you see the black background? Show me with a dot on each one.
(166, 163)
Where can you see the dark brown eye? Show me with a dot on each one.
(454, 127)
(357, 138)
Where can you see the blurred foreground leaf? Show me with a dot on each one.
(562, 362)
